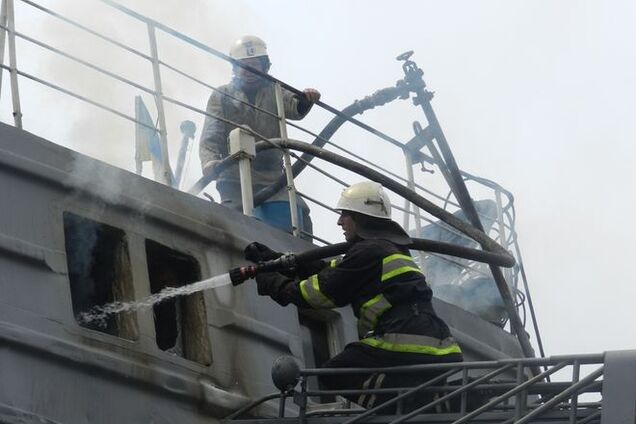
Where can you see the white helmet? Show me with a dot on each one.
(367, 198)
(248, 46)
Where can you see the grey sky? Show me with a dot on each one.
(538, 96)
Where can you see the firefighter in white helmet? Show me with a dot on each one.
(232, 102)
(397, 324)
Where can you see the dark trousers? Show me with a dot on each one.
(358, 355)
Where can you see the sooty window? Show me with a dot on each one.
(180, 323)
(99, 273)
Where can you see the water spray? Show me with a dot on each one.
(285, 263)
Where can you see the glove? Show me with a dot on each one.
(311, 94)
(258, 252)
(270, 283)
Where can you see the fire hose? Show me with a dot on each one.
(290, 261)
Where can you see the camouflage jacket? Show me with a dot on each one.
(267, 166)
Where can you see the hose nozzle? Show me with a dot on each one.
(241, 274)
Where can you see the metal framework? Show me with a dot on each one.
(491, 392)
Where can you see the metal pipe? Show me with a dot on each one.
(464, 396)
(291, 189)
(588, 358)
(407, 216)
(281, 405)
(168, 177)
(86, 29)
(83, 62)
(536, 389)
(316, 201)
(418, 223)
(251, 405)
(519, 404)
(3, 37)
(79, 97)
(590, 417)
(303, 401)
(576, 370)
(15, 93)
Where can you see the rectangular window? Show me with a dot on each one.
(99, 272)
(180, 323)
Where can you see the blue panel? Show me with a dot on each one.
(277, 215)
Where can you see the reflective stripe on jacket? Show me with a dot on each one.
(388, 294)
(413, 343)
(310, 290)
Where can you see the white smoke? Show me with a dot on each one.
(101, 134)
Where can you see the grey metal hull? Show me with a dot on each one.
(53, 369)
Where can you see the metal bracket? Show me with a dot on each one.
(242, 147)
(423, 137)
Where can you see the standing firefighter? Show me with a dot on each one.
(389, 295)
(243, 101)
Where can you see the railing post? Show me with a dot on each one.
(406, 222)
(464, 395)
(168, 177)
(293, 200)
(187, 133)
(242, 147)
(15, 94)
(521, 397)
(3, 37)
(502, 232)
(574, 402)
(302, 404)
(418, 221)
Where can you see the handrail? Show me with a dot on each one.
(235, 62)
(502, 380)
(182, 73)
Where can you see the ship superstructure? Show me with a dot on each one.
(76, 232)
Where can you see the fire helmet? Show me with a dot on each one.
(367, 198)
(372, 208)
(248, 46)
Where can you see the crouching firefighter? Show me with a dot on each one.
(388, 292)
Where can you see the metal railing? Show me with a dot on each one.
(495, 391)
(503, 228)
